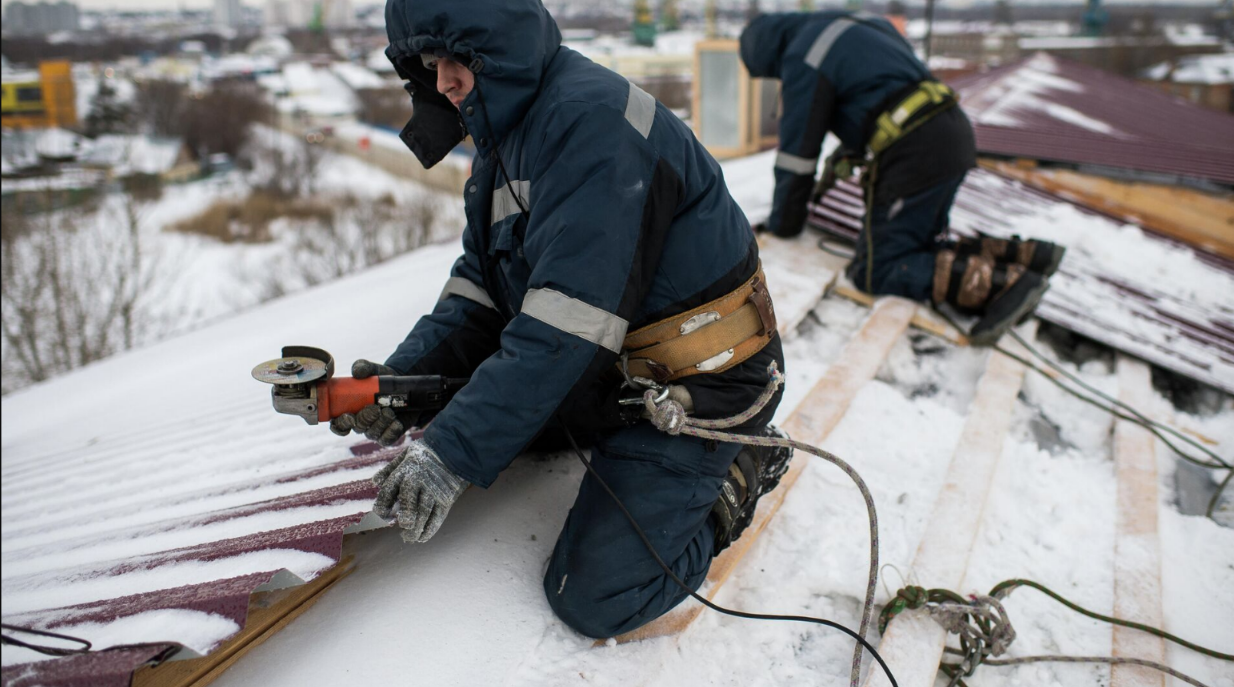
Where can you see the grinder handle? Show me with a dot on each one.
(341, 395)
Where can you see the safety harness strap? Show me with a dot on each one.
(929, 99)
(708, 339)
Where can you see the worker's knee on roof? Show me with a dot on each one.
(573, 599)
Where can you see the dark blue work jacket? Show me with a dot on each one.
(839, 71)
(591, 211)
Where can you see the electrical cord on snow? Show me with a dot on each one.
(1111, 405)
(578, 452)
(168, 648)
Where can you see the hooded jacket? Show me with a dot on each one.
(838, 72)
(591, 211)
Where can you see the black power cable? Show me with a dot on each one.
(706, 602)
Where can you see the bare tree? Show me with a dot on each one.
(73, 290)
(160, 106)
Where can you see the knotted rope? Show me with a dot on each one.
(985, 630)
(670, 417)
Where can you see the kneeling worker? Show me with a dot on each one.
(854, 75)
(599, 236)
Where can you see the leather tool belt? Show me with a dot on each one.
(708, 339)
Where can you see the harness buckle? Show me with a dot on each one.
(766, 309)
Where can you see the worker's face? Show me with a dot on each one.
(454, 80)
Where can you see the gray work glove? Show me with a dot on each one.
(423, 487)
(373, 421)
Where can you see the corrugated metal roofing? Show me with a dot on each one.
(1136, 291)
(146, 497)
(1047, 108)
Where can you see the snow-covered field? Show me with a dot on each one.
(468, 607)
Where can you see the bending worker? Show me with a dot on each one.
(855, 76)
(599, 236)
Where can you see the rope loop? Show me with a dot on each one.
(908, 598)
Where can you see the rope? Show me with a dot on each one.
(953, 670)
(668, 416)
(985, 630)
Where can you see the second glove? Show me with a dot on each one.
(422, 486)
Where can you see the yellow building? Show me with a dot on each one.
(42, 101)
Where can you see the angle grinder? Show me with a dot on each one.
(305, 385)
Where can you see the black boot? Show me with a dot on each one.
(1039, 256)
(1001, 293)
(756, 471)
(1010, 307)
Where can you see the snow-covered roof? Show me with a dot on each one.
(378, 62)
(57, 143)
(357, 76)
(317, 91)
(130, 154)
(1119, 284)
(271, 45)
(1047, 108)
(237, 64)
(1195, 69)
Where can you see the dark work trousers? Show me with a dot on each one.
(902, 240)
(601, 580)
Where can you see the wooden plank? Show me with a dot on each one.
(924, 318)
(913, 643)
(1137, 548)
(811, 422)
(799, 274)
(268, 613)
(1203, 220)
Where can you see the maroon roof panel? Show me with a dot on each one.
(1050, 109)
(1136, 291)
(285, 527)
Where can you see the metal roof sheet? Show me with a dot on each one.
(1047, 108)
(1136, 291)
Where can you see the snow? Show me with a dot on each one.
(316, 91)
(136, 461)
(1012, 99)
(58, 143)
(196, 630)
(1195, 69)
(127, 154)
(356, 76)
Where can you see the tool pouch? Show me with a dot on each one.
(706, 340)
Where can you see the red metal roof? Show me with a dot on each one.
(1106, 289)
(55, 567)
(1050, 109)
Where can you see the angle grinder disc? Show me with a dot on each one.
(298, 370)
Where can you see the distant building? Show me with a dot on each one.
(300, 14)
(228, 13)
(25, 19)
(1206, 80)
(42, 99)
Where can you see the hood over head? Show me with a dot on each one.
(765, 39)
(507, 44)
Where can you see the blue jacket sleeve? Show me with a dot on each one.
(809, 101)
(591, 182)
(461, 332)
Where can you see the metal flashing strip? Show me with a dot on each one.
(465, 288)
(640, 110)
(576, 317)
